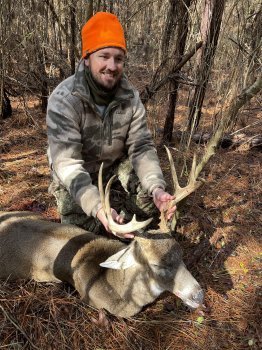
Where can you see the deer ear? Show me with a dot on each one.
(121, 260)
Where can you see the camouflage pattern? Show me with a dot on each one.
(80, 139)
(126, 196)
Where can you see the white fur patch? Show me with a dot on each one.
(155, 289)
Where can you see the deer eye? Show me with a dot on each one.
(161, 270)
(158, 267)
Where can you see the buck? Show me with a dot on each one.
(107, 273)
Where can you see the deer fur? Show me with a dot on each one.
(107, 273)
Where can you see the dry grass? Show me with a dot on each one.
(219, 231)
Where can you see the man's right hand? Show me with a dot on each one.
(117, 218)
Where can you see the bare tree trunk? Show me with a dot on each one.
(147, 37)
(210, 28)
(39, 59)
(254, 32)
(2, 58)
(5, 22)
(43, 78)
(104, 6)
(56, 17)
(98, 8)
(73, 36)
(182, 13)
(59, 34)
(169, 28)
(111, 4)
(90, 9)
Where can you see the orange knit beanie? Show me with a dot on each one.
(102, 30)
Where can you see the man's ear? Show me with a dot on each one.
(123, 259)
(86, 61)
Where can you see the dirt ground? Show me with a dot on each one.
(219, 231)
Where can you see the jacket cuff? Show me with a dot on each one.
(153, 187)
(89, 200)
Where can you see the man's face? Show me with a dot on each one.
(106, 66)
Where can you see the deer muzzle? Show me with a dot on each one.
(187, 288)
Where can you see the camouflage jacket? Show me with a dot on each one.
(80, 139)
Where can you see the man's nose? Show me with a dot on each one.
(111, 64)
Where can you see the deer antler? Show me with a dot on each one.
(193, 184)
(116, 228)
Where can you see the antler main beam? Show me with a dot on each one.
(116, 228)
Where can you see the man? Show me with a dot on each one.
(97, 116)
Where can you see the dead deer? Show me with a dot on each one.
(107, 273)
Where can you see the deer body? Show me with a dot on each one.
(107, 273)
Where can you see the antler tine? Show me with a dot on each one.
(193, 183)
(107, 200)
(103, 195)
(173, 170)
(192, 174)
(131, 226)
(100, 185)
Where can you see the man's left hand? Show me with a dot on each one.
(162, 201)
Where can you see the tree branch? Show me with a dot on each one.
(150, 90)
(227, 119)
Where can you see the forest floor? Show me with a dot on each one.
(219, 231)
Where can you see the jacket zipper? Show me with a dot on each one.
(104, 121)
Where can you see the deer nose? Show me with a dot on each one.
(198, 297)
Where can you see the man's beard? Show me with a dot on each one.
(102, 86)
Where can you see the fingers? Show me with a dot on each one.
(120, 220)
(117, 218)
(102, 217)
(166, 197)
(129, 235)
(160, 195)
(124, 235)
(163, 202)
(171, 213)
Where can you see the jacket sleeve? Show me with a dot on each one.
(65, 146)
(142, 152)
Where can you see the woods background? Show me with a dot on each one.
(197, 65)
(209, 49)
